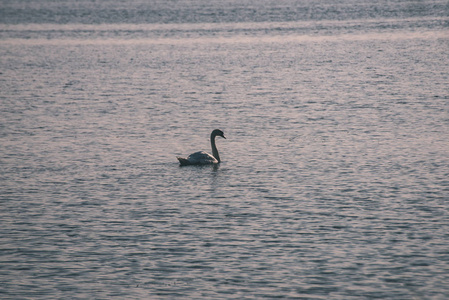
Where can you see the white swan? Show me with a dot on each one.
(201, 157)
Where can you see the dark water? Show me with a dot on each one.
(334, 181)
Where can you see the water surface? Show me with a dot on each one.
(334, 181)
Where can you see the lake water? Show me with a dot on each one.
(334, 181)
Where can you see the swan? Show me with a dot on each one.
(201, 157)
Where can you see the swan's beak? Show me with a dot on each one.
(223, 136)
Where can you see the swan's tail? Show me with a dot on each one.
(183, 161)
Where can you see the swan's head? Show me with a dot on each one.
(218, 132)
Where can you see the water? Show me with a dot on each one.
(334, 181)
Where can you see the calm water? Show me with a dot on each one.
(335, 175)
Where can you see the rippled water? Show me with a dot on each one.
(334, 181)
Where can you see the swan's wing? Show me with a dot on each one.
(201, 157)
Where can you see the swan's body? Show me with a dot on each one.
(201, 157)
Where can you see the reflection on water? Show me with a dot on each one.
(333, 181)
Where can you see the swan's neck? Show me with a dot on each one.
(214, 147)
